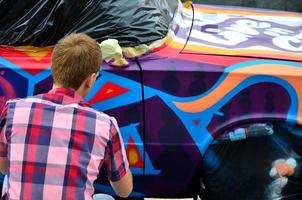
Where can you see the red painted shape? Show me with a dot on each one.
(109, 90)
(196, 122)
(31, 64)
(132, 148)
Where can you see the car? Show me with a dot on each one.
(217, 68)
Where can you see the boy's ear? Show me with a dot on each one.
(89, 82)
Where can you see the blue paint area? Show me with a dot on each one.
(32, 79)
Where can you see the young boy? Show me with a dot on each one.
(53, 145)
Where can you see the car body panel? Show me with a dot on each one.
(189, 88)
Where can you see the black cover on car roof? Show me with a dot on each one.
(44, 22)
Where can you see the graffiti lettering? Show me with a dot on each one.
(240, 34)
(234, 34)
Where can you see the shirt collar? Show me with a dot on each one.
(70, 96)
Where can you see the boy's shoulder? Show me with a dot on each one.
(25, 99)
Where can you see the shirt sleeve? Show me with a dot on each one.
(3, 142)
(115, 154)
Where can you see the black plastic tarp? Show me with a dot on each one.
(44, 22)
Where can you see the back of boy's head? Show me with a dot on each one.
(74, 58)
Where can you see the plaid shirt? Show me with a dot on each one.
(55, 144)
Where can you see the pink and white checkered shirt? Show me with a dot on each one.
(55, 144)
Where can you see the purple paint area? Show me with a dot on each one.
(256, 102)
(174, 64)
(129, 114)
(43, 86)
(170, 147)
(168, 128)
(180, 77)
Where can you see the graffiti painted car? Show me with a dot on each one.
(218, 67)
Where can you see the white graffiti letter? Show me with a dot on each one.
(291, 43)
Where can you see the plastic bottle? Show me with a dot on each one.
(253, 130)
